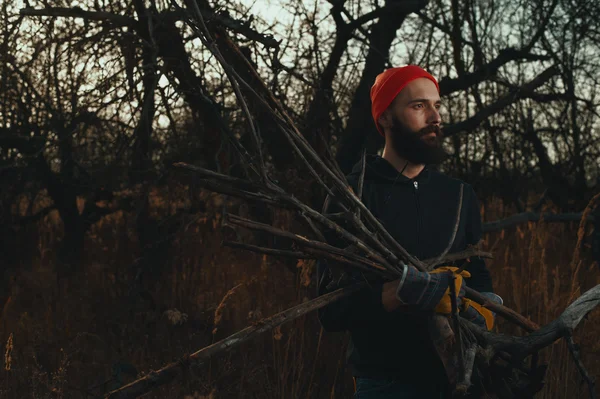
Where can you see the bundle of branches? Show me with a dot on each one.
(506, 365)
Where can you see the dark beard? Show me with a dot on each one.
(414, 148)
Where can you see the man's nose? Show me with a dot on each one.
(434, 116)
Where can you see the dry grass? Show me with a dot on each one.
(95, 331)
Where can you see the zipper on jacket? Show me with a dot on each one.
(416, 192)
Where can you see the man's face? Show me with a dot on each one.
(412, 123)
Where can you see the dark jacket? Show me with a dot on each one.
(420, 214)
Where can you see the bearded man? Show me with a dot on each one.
(390, 355)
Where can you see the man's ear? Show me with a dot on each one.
(385, 120)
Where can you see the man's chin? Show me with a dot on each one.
(431, 152)
(431, 141)
(419, 148)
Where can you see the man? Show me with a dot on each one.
(390, 355)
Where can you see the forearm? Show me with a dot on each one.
(388, 296)
(360, 308)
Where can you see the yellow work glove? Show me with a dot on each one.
(478, 314)
(445, 304)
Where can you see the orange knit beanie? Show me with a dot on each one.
(389, 83)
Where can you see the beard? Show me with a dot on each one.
(415, 147)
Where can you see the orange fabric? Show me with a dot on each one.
(445, 305)
(486, 313)
(389, 83)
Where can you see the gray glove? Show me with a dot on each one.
(474, 315)
(426, 290)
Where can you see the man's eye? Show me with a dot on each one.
(418, 105)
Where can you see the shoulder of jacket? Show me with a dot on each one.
(453, 182)
(435, 174)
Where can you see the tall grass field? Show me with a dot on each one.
(121, 315)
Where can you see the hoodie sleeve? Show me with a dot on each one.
(480, 279)
(357, 309)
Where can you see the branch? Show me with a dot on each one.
(574, 349)
(451, 85)
(505, 355)
(404, 7)
(226, 21)
(492, 109)
(503, 311)
(462, 370)
(308, 244)
(456, 256)
(533, 217)
(241, 27)
(521, 347)
(545, 97)
(169, 372)
(268, 251)
(442, 28)
(76, 12)
(463, 384)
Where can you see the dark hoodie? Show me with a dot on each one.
(420, 214)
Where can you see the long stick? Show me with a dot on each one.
(305, 242)
(582, 370)
(171, 371)
(503, 311)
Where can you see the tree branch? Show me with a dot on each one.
(77, 12)
(169, 372)
(404, 7)
(574, 349)
(226, 21)
(533, 217)
(503, 311)
(269, 251)
(497, 106)
(310, 244)
(451, 85)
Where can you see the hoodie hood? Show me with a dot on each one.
(379, 170)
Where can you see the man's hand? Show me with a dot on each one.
(417, 291)
(424, 291)
(445, 304)
(477, 314)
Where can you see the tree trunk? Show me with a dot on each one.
(317, 121)
(205, 113)
(558, 186)
(141, 164)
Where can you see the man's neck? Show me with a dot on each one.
(407, 168)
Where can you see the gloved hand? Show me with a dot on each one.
(430, 291)
(477, 314)
(445, 304)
